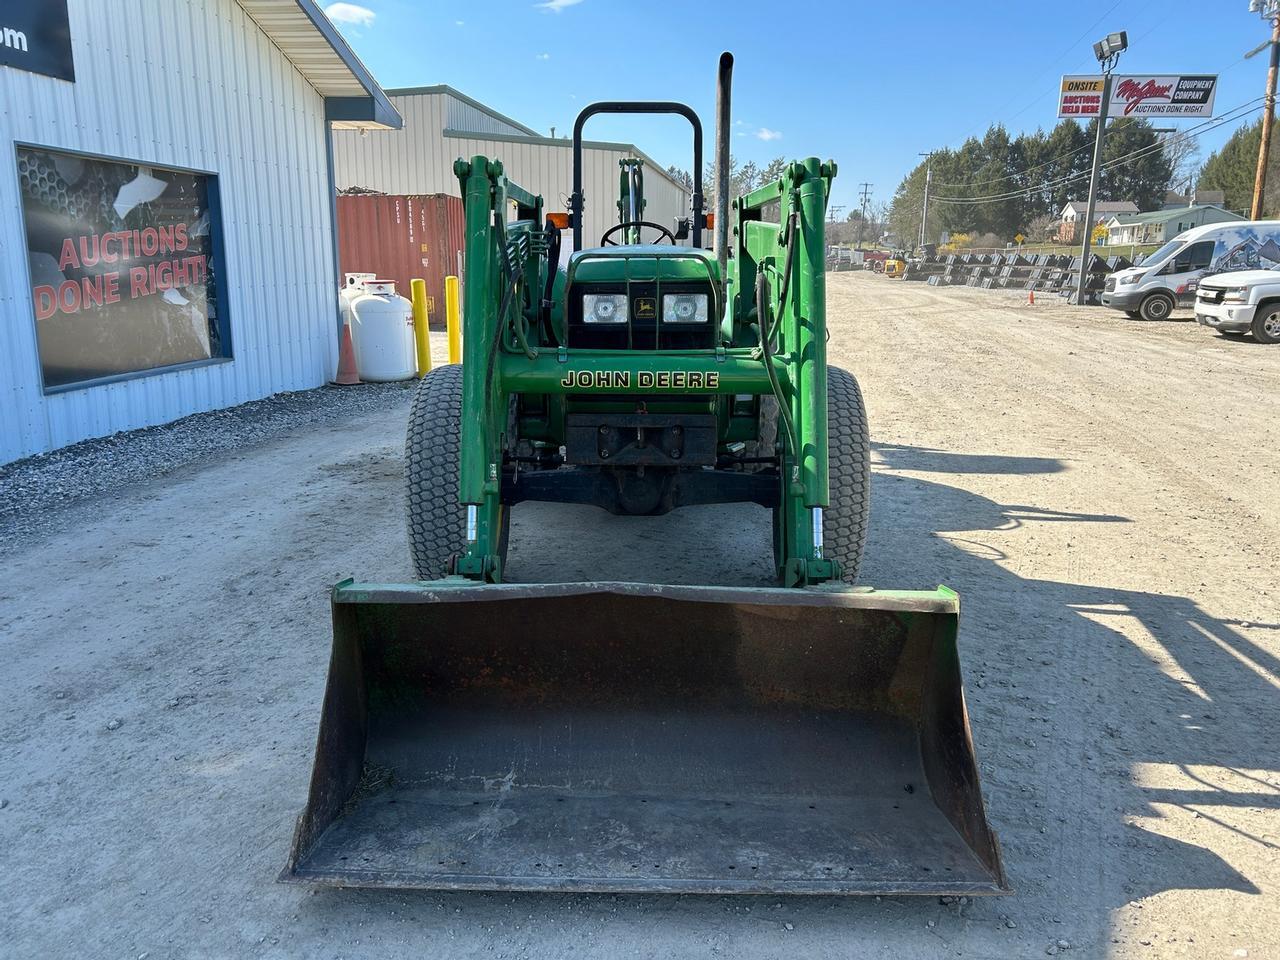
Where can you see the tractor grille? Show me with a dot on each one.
(644, 329)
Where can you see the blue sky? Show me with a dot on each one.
(869, 84)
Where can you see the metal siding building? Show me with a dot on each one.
(441, 124)
(241, 89)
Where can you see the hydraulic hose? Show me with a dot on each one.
(784, 406)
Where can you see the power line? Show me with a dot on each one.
(1088, 146)
(1011, 176)
(862, 220)
(1062, 56)
(1200, 129)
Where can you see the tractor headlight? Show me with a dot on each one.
(604, 308)
(684, 308)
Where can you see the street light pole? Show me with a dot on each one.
(1270, 9)
(1108, 52)
(862, 220)
(928, 178)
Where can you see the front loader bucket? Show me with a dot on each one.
(628, 737)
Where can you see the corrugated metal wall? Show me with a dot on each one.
(185, 83)
(419, 159)
(460, 115)
(402, 238)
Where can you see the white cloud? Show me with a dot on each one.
(764, 133)
(351, 14)
(544, 56)
(555, 6)
(459, 23)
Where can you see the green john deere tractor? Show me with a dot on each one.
(480, 734)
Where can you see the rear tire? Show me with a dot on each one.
(849, 443)
(1157, 306)
(437, 521)
(1266, 324)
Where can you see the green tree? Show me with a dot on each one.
(1232, 169)
(1143, 178)
(1066, 153)
(680, 176)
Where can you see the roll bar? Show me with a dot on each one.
(577, 201)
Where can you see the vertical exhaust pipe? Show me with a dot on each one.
(724, 84)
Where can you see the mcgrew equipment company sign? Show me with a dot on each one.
(1139, 96)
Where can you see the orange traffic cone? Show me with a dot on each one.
(347, 374)
(1031, 297)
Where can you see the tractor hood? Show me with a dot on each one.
(644, 262)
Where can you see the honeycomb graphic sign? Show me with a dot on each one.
(123, 266)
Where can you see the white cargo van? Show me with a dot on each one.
(1168, 278)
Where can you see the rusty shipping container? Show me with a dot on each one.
(401, 238)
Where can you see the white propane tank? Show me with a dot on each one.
(382, 333)
(352, 287)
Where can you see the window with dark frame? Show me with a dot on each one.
(125, 265)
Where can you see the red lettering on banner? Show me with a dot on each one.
(138, 282)
(1134, 93)
(69, 296)
(97, 289)
(46, 301)
(68, 258)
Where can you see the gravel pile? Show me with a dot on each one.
(31, 489)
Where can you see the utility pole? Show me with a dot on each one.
(1108, 51)
(928, 178)
(1270, 9)
(862, 220)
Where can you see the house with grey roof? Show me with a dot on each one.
(1161, 225)
(1075, 211)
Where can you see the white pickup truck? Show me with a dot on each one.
(1246, 301)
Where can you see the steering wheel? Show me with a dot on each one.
(606, 240)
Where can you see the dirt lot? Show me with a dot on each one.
(1103, 493)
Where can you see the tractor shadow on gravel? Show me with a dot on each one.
(1104, 719)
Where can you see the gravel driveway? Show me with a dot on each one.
(1100, 491)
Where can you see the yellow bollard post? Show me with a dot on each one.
(453, 321)
(421, 328)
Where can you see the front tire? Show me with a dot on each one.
(437, 521)
(846, 519)
(1266, 324)
(1157, 306)
(844, 522)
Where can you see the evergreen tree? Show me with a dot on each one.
(1232, 169)
(1020, 180)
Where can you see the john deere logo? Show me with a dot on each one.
(646, 308)
(644, 379)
